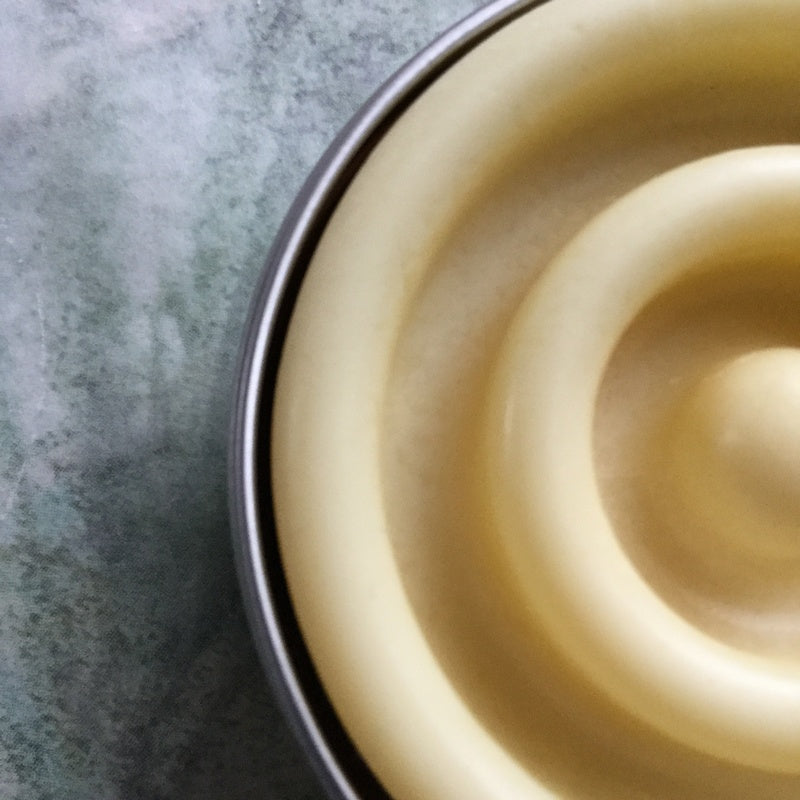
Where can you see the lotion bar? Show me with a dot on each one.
(536, 450)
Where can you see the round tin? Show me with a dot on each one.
(284, 655)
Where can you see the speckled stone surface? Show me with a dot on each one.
(148, 151)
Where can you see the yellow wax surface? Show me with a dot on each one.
(537, 425)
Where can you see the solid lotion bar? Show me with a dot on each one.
(513, 585)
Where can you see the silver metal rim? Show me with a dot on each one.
(274, 627)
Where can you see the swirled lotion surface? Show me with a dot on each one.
(537, 427)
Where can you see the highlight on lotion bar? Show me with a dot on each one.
(536, 440)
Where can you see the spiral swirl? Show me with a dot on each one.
(585, 589)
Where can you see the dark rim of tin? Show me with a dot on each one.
(286, 660)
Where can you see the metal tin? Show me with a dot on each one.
(287, 663)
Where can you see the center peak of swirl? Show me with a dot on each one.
(734, 451)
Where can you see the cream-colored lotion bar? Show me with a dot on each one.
(537, 424)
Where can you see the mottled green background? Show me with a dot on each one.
(149, 150)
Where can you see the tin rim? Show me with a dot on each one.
(274, 627)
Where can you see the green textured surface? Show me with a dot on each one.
(148, 152)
